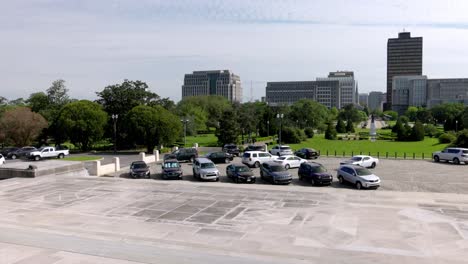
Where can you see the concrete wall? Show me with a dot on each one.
(150, 158)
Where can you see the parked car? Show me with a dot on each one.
(2, 159)
(183, 154)
(315, 173)
(232, 149)
(139, 169)
(281, 150)
(255, 148)
(6, 151)
(171, 169)
(362, 160)
(205, 169)
(455, 155)
(22, 152)
(275, 173)
(220, 157)
(290, 161)
(48, 152)
(307, 153)
(358, 176)
(240, 173)
(256, 158)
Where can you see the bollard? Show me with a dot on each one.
(156, 155)
(414, 155)
(142, 156)
(343, 153)
(423, 155)
(116, 165)
(327, 152)
(378, 154)
(404, 155)
(352, 153)
(335, 153)
(386, 155)
(395, 155)
(360, 153)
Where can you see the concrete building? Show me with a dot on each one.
(363, 99)
(404, 57)
(222, 82)
(447, 91)
(376, 100)
(408, 91)
(336, 90)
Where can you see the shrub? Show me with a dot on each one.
(291, 135)
(330, 133)
(417, 132)
(446, 138)
(340, 126)
(350, 127)
(309, 132)
(462, 139)
(430, 130)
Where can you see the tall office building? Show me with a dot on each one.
(363, 99)
(453, 90)
(408, 91)
(222, 82)
(404, 57)
(376, 100)
(336, 90)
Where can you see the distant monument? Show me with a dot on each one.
(372, 133)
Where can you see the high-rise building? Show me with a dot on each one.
(408, 91)
(404, 57)
(336, 90)
(222, 82)
(447, 91)
(376, 100)
(363, 99)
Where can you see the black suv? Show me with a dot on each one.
(315, 173)
(231, 149)
(307, 153)
(171, 169)
(220, 157)
(183, 154)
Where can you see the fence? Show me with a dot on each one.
(378, 154)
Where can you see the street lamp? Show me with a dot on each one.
(114, 118)
(268, 128)
(456, 126)
(280, 117)
(185, 121)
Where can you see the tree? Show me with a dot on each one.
(417, 132)
(228, 131)
(340, 126)
(462, 139)
(330, 133)
(58, 93)
(309, 113)
(21, 126)
(83, 122)
(392, 114)
(210, 107)
(349, 112)
(350, 126)
(412, 113)
(17, 102)
(400, 130)
(292, 135)
(153, 126)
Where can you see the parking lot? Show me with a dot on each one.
(396, 175)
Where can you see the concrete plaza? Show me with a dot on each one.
(83, 219)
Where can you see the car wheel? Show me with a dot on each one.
(60, 156)
(358, 185)
(194, 174)
(262, 176)
(36, 158)
(257, 164)
(217, 179)
(436, 158)
(13, 156)
(312, 181)
(373, 165)
(236, 180)
(300, 177)
(340, 179)
(192, 159)
(227, 160)
(287, 166)
(456, 161)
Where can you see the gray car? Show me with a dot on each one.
(358, 176)
(275, 173)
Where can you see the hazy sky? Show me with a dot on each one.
(94, 43)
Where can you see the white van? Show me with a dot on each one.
(255, 158)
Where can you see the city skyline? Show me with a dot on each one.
(91, 45)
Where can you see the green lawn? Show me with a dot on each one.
(379, 148)
(203, 140)
(82, 158)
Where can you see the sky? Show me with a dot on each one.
(92, 44)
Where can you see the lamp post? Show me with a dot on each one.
(268, 128)
(185, 121)
(456, 126)
(114, 118)
(280, 117)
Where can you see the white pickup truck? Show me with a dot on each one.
(48, 152)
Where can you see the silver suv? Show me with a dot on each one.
(205, 169)
(455, 155)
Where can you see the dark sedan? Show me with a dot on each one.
(139, 169)
(6, 151)
(307, 153)
(314, 173)
(275, 173)
(220, 157)
(22, 152)
(240, 173)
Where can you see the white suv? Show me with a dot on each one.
(281, 150)
(456, 155)
(255, 158)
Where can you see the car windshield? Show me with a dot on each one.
(356, 158)
(281, 158)
(285, 148)
(40, 149)
(139, 165)
(277, 168)
(171, 165)
(363, 172)
(318, 169)
(230, 146)
(207, 165)
(242, 169)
